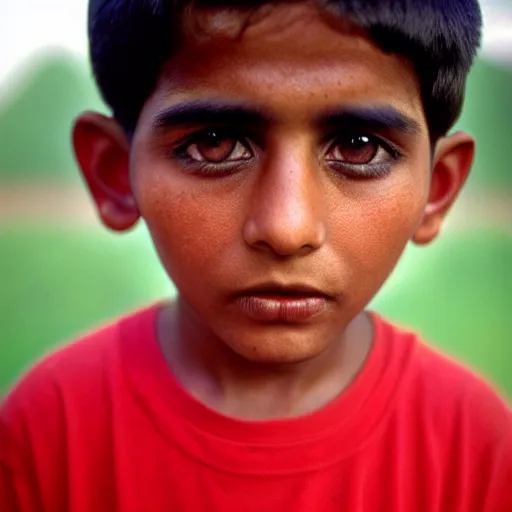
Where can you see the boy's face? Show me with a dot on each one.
(281, 173)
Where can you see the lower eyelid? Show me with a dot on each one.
(372, 170)
(385, 156)
(205, 168)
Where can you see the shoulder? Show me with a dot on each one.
(436, 380)
(458, 422)
(460, 394)
(470, 424)
(59, 415)
(448, 400)
(71, 379)
(70, 364)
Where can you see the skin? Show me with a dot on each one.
(284, 213)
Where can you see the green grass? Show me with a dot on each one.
(55, 284)
(457, 294)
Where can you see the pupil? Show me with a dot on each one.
(357, 149)
(360, 141)
(216, 146)
(215, 139)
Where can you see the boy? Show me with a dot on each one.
(282, 154)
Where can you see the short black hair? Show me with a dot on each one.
(131, 40)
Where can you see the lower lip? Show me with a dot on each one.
(286, 309)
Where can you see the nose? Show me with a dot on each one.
(286, 212)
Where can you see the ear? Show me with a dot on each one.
(102, 151)
(452, 161)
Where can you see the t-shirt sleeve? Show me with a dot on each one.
(28, 416)
(499, 493)
(18, 492)
(473, 431)
(491, 419)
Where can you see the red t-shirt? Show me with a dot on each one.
(102, 425)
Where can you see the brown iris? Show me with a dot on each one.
(358, 150)
(217, 147)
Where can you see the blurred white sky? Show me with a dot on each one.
(27, 26)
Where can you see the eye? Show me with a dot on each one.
(215, 147)
(355, 150)
(361, 156)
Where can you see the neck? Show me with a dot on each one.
(231, 385)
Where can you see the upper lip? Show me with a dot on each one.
(273, 288)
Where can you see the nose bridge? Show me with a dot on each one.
(288, 188)
(286, 211)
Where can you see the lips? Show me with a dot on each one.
(288, 304)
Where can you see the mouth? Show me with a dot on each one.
(289, 290)
(294, 303)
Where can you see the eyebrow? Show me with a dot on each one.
(209, 112)
(372, 117)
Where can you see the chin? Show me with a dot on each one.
(278, 348)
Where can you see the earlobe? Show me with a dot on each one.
(102, 152)
(451, 166)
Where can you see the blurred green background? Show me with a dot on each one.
(61, 274)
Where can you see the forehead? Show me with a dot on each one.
(292, 59)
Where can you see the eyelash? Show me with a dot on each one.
(343, 169)
(371, 170)
(209, 168)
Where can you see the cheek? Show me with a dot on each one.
(193, 227)
(376, 228)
